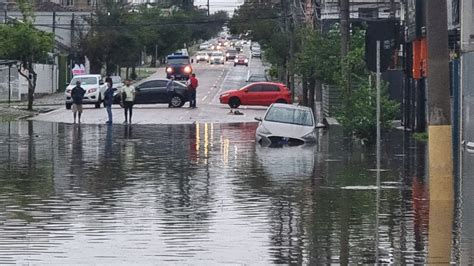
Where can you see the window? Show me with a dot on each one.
(270, 88)
(255, 88)
(150, 84)
(290, 116)
(84, 80)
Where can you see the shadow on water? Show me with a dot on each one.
(205, 193)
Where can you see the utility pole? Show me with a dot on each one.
(441, 181)
(208, 9)
(344, 19)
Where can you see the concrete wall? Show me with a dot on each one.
(46, 83)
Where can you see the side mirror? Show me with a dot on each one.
(258, 119)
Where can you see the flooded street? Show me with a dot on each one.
(206, 194)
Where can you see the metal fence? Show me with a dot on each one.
(9, 87)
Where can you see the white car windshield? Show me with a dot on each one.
(289, 116)
(84, 80)
(217, 54)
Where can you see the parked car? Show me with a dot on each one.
(179, 66)
(217, 58)
(154, 92)
(256, 53)
(258, 93)
(286, 124)
(241, 60)
(256, 77)
(93, 85)
(117, 82)
(202, 56)
(230, 54)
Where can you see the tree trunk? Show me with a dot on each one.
(304, 100)
(127, 72)
(31, 78)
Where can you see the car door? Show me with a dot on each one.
(159, 94)
(144, 92)
(251, 95)
(270, 94)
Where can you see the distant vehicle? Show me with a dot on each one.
(256, 77)
(258, 93)
(155, 92)
(93, 85)
(230, 54)
(179, 66)
(117, 82)
(204, 46)
(286, 124)
(238, 46)
(202, 56)
(256, 52)
(217, 58)
(242, 60)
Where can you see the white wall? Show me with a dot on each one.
(47, 81)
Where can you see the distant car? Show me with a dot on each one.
(155, 92)
(93, 85)
(241, 60)
(256, 53)
(203, 46)
(286, 124)
(202, 56)
(179, 66)
(256, 78)
(230, 54)
(217, 58)
(117, 82)
(258, 93)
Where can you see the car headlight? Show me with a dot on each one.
(225, 95)
(263, 130)
(246, 60)
(227, 54)
(169, 69)
(187, 69)
(92, 90)
(206, 57)
(236, 60)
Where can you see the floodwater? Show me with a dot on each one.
(206, 194)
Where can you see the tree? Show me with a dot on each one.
(22, 42)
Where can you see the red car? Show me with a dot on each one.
(258, 93)
(241, 60)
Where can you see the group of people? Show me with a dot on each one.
(127, 97)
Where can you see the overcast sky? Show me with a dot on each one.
(227, 5)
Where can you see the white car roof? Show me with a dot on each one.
(290, 106)
(88, 76)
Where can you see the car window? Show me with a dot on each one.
(217, 54)
(179, 84)
(255, 88)
(151, 84)
(116, 79)
(270, 88)
(289, 116)
(84, 80)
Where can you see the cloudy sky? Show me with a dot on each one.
(227, 5)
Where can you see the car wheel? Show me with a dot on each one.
(68, 106)
(234, 102)
(281, 101)
(177, 101)
(247, 65)
(234, 65)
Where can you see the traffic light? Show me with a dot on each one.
(388, 33)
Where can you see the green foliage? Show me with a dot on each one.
(360, 117)
(117, 36)
(21, 41)
(421, 136)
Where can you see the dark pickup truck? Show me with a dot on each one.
(179, 66)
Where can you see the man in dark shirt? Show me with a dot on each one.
(77, 94)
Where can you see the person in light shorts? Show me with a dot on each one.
(77, 94)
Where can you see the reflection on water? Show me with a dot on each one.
(205, 193)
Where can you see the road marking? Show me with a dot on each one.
(204, 98)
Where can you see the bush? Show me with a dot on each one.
(359, 117)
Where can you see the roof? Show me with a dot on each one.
(291, 106)
(8, 62)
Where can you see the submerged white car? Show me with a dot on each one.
(286, 124)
